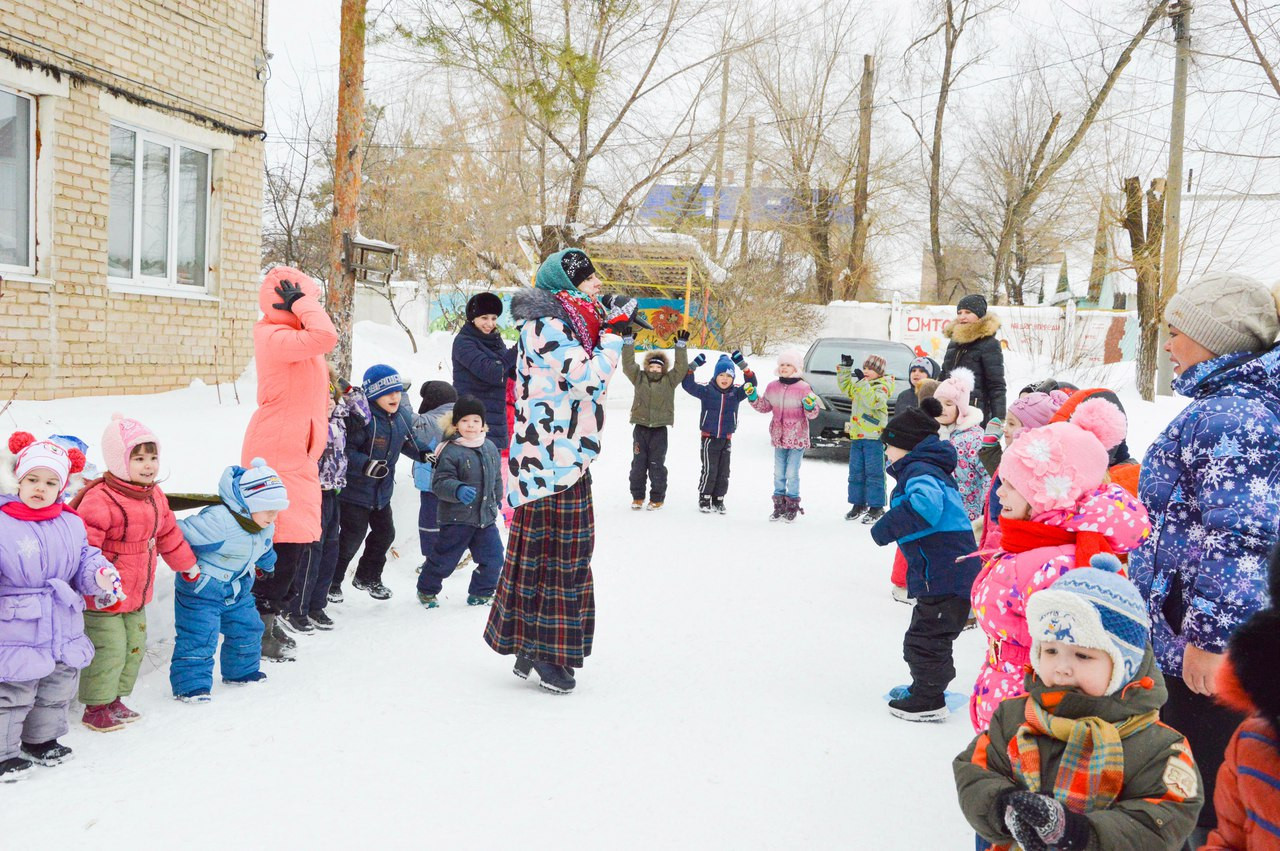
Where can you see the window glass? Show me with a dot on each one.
(15, 179)
(193, 194)
(154, 245)
(120, 216)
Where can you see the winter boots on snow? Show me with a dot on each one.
(276, 646)
(872, 515)
(855, 512)
(779, 507)
(554, 678)
(704, 504)
(100, 720)
(428, 601)
(13, 770)
(321, 621)
(479, 599)
(300, 624)
(376, 589)
(912, 708)
(48, 753)
(255, 677)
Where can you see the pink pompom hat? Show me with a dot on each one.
(958, 389)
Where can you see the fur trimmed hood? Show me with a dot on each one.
(964, 334)
(532, 303)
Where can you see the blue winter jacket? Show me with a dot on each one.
(226, 552)
(927, 519)
(482, 363)
(384, 438)
(719, 407)
(1211, 483)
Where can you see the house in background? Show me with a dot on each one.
(131, 160)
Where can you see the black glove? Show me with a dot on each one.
(289, 292)
(1041, 823)
(376, 469)
(697, 362)
(623, 329)
(738, 359)
(623, 308)
(846, 360)
(683, 335)
(857, 374)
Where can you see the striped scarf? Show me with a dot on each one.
(1091, 771)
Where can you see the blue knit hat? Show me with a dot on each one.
(261, 489)
(380, 379)
(723, 364)
(1096, 608)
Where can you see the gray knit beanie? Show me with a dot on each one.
(1226, 313)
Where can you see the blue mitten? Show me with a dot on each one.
(466, 494)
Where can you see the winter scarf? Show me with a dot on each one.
(1091, 771)
(1020, 536)
(585, 316)
(19, 510)
(114, 484)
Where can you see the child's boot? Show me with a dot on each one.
(704, 504)
(48, 753)
(273, 650)
(122, 712)
(779, 507)
(718, 504)
(919, 708)
(637, 504)
(479, 599)
(13, 770)
(100, 719)
(285, 639)
(793, 508)
(872, 515)
(428, 601)
(200, 695)
(255, 677)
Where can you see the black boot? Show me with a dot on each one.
(13, 770)
(913, 708)
(273, 650)
(872, 515)
(553, 678)
(855, 512)
(46, 753)
(704, 504)
(718, 504)
(523, 666)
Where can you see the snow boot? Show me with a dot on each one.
(855, 512)
(637, 504)
(321, 621)
(299, 624)
(200, 695)
(718, 504)
(554, 678)
(13, 770)
(285, 639)
(792, 508)
(122, 712)
(779, 507)
(704, 504)
(654, 506)
(99, 719)
(428, 601)
(255, 677)
(479, 599)
(872, 515)
(914, 708)
(376, 589)
(273, 649)
(335, 594)
(48, 753)
(522, 667)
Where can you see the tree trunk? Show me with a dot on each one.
(858, 248)
(820, 244)
(1145, 244)
(1098, 268)
(340, 295)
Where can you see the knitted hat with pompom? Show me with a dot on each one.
(1052, 467)
(35, 454)
(957, 389)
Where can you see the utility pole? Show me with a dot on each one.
(858, 249)
(348, 154)
(1180, 14)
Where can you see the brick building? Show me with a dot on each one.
(131, 162)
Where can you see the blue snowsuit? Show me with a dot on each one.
(220, 600)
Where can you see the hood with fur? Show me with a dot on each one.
(532, 303)
(963, 334)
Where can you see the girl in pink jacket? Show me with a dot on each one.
(793, 403)
(1058, 509)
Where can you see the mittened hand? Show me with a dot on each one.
(697, 362)
(108, 579)
(994, 431)
(289, 292)
(857, 374)
(750, 390)
(810, 402)
(683, 335)
(738, 360)
(846, 360)
(623, 309)
(192, 573)
(1040, 823)
(375, 469)
(466, 494)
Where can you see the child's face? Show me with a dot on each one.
(264, 518)
(654, 367)
(470, 426)
(1012, 428)
(894, 453)
(786, 370)
(390, 402)
(1012, 504)
(917, 375)
(870, 374)
(725, 380)
(1068, 666)
(485, 324)
(143, 466)
(949, 411)
(39, 488)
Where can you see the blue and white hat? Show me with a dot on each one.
(261, 488)
(380, 379)
(1096, 608)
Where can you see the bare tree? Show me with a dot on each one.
(1248, 23)
(296, 229)
(1146, 242)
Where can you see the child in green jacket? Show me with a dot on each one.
(868, 390)
(1082, 761)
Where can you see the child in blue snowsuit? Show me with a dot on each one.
(719, 420)
(231, 540)
(467, 481)
(437, 402)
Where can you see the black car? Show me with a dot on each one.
(820, 362)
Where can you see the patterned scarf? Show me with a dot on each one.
(585, 315)
(1019, 536)
(1091, 770)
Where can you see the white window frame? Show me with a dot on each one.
(30, 267)
(170, 280)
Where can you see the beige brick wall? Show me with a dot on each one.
(67, 332)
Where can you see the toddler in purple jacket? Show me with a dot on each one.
(46, 566)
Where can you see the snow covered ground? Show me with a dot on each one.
(735, 698)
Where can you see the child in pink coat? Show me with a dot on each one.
(1057, 511)
(793, 403)
(961, 424)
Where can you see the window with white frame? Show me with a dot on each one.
(158, 220)
(17, 181)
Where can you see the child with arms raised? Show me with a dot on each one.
(719, 420)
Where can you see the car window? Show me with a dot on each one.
(825, 356)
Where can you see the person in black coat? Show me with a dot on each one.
(482, 363)
(973, 345)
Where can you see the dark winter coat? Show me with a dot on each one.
(654, 405)
(1162, 793)
(927, 519)
(719, 407)
(1211, 484)
(458, 465)
(482, 363)
(974, 346)
(383, 438)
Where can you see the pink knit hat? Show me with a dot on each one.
(793, 357)
(958, 388)
(118, 441)
(1036, 409)
(1055, 465)
(31, 454)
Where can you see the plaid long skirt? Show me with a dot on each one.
(545, 605)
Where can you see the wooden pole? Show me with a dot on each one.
(857, 254)
(1180, 12)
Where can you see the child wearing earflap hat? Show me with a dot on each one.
(961, 424)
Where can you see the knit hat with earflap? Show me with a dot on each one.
(926, 365)
(380, 379)
(957, 388)
(1226, 313)
(1093, 608)
(792, 357)
(1037, 409)
(261, 488)
(31, 454)
(119, 440)
(1055, 465)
